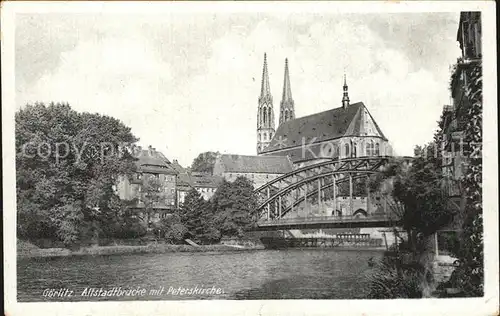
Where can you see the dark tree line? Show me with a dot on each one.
(67, 164)
(230, 212)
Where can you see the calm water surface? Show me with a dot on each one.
(263, 274)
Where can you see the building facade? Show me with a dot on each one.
(258, 169)
(205, 183)
(152, 186)
(454, 116)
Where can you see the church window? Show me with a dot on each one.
(346, 150)
(270, 116)
(354, 153)
(370, 150)
(270, 135)
(265, 116)
(335, 150)
(377, 149)
(286, 115)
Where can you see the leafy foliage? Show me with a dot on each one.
(469, 276)
(235, 204)
(172, 229)
(66, 165)
(204, 162)
(414, 194)
(150, 195)
(387, 282)
(197, 217)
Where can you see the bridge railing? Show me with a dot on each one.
(339, 219)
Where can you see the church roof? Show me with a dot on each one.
(255, 164)
(323, 126)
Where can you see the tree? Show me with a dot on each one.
(197, 216)
(172, 229)
(66, 165)
(150, 195)
(414, 192)
(235, 207)
(204, 162)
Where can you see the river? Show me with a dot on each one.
(261, 274)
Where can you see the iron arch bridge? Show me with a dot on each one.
(314, 185)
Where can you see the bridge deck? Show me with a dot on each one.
(315, 222)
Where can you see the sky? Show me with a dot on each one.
(189, 82)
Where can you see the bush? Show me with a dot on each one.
(386, 282)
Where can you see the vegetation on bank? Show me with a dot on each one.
(67, 167)
(27, 250)
(416, 192)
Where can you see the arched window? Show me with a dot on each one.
(377, 149)
(370, 150)
(269, 115)
(286, 115)
(347, 150)
(265, 136)
(354, 149)
(270, 135)
(265, 116)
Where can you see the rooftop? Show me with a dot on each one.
(152, 161)
(255, 164)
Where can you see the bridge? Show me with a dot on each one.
(314, 186)
(317, 222)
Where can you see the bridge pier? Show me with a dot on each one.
(319, 194)
(350, 195)
(268, 205)
(279, 209)
(334, 195)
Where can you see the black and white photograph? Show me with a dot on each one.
(285, 155)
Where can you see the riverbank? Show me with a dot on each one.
(27, 250)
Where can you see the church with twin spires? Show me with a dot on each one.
(348, 130)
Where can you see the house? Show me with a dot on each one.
(206, 184)
(153, 172)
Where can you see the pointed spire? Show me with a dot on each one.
(287, 90)
(287, 111)
(345, 97)
(265, 89)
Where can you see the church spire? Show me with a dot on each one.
(287, 111)
(265, 113)
(265, 89)
(345, 97)
(287, 90)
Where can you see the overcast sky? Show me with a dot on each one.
(188, 83)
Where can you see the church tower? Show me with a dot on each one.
(265, 114)
(287, 109)
(345, 97)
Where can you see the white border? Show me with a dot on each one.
(487, 305)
